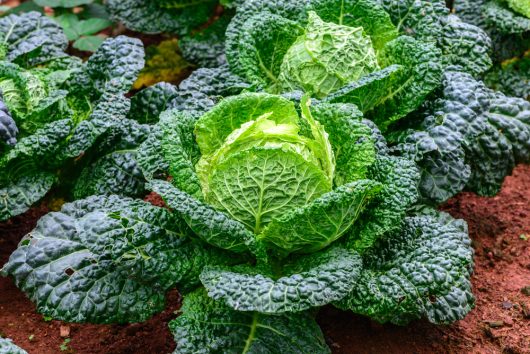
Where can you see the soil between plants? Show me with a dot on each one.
(500, 322)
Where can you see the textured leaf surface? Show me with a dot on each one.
(491, 129)
(147, 104)
(19, 192)
(114, 173)
(116, 64)
(8, 127)
(212, 129)
(309, 281)
(422, 270)
(314, 226)
(441, 160)
(400, 178)
(33, 36)
(212, 226)
(513, 79)
(326, 57)
(465, 45)
(150, 17)
(206, 48)
(259, 185)
(412, 71)
(505, 19)
(200, 91)
(103, 260)
(7, 347)
(351, 139)
(207, 325)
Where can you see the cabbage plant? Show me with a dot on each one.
(275, 207)
(386, 57)
(65, 124)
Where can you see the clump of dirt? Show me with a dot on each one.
(500, 322)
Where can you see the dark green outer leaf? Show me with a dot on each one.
(309, 281)
(504, 19)
(147, 104)
(114, 173)
(7, 347)
(465, 45)
(420, 271)
(207, 326)
(107, 259)
(32, 37)
(351, 138)
(18, 193)
(8, 127)
(149, 17)
(210, 225)
(116, 64)
(400, 178)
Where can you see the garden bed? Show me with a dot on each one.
(500, 322)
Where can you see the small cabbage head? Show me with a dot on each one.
(326, 57)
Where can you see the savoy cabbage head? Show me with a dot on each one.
(275, 207)
(386, 57)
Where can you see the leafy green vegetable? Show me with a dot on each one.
(7, 347)
(152, 17)
(209, 324)
(115, 270)
(474, 136)
(309, 281)
(31, 37)
(423, 270)
(346, 51)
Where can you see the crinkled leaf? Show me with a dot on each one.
(465, 45)
(180, 151)
(104, 259)
(32, 38)
(201, 90)
(264, 41)
(147, 104)
(400, 178)
(492, 130)
(8, 127)
(8, 347)
(213, 127)
(505, 19)
(258, 185)
(368, 14)
(309, 281)
(20, 189)
(326, 57)
(206, 323)
(206, 49)
(116, 64)
(150, 17)
(513, 78)
(441, 160)
(350, 138)
(210, 225)
(422, 270)
(314, 226)
(114, 173)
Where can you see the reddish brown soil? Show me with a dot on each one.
(500, 323)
